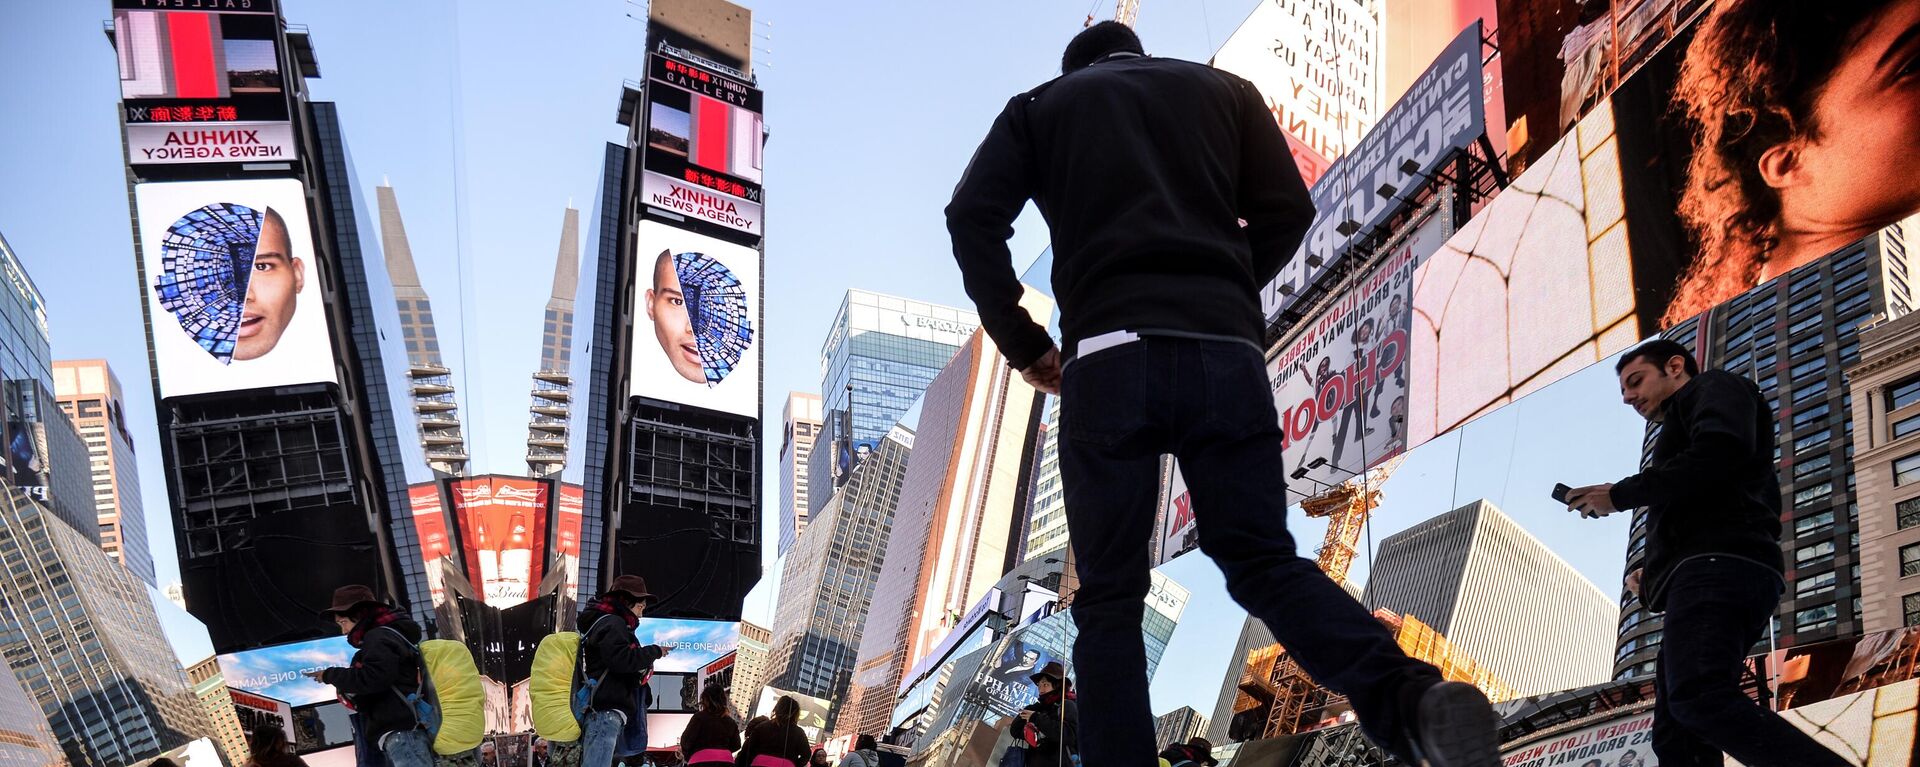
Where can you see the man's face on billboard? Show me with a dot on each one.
(273, 290)
(667, 309)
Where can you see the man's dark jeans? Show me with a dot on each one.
(1717, 609)
(1209, 404)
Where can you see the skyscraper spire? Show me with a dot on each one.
(433, 401)
(552, 383)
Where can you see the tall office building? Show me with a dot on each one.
(827, 586)
(550, 413)
(84, 641)
(210, 687)
(434, 405)
(954, 532)
(45, 456)
(1047, 524)
(1178, 726)
(1461, 573)
(880, 354)
(26, 740)
(750, 667)
(89, 393)
(802, 420)
(1885, 386)
(1795, 336)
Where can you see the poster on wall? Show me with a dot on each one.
(700, 298)
(1340, 383)
(233, 295)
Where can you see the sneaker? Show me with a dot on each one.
(1456, 728)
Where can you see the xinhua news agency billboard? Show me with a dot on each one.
(201, 82)
(1441, 113)
(703, 157)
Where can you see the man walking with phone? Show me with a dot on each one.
(1713, 556)
(1172, 200)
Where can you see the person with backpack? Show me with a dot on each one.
(866, 753)
(778, 741)
(1197, 752)
(712, 735)
(385, 670)
(1052, 724)
(613, 672)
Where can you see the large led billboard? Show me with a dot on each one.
(703, 156)
(202, 82)
(233, 298)
(696, 644)
(700, 297)
(503, 522)
(430, 525)
(1440, 115)
(277, 672)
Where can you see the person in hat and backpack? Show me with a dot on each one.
(385, 670)
(614, 663)
(1197, 752)
(1052, 731)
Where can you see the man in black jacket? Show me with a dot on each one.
(616, 666)
(1713, 561)
(385, 669)
(1145, 170)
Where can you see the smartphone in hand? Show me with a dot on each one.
(1560, 492)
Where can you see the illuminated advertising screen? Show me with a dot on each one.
(233, 297)
(1340, 383)
(1318, 65)
(695, 644)
(704, 155)
(1645, 215)
(700, 297)
(276, 672)
(202, 82)
(566, 539)
(430, 524)
(502, 523)
(1441, 114)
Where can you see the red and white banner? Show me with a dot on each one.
(503, 530)
(179, 144)
(700, 203)
(430, 525)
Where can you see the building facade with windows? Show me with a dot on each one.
(1796, 337)
(750, 668)
(802, 427)
(1885, 385)
(89, 393)
(880, 355)
(1178, 726)
(210, 686)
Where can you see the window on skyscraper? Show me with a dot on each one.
(1906, 469)
(1910, 560)
(1903, 394)
(1910, 607)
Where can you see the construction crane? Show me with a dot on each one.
(1124, 11)
(1346, 507)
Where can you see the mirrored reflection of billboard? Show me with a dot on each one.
(566, 539)
(695, 644)
(1317, 64)
(430, 524)
(813, 711)
(232, 293)
(700, 299)
(1644, 215)
(201, 82)
(1008, 688)
(275, 672)
(704, 140)
(502, 523)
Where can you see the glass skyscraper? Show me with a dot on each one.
(880, 354)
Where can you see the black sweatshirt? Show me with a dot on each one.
(1711, 487)
(1143, 169)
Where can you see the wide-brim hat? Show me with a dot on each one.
(1204, 749)
(346, 598)
(1053, 671)
(633, 586)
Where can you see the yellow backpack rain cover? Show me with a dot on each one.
(462, 700)
(551, 687)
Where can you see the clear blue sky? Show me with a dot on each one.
(489, 116)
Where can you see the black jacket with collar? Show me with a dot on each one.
(1144, 169)
(608, 646)
(385, 667)
(1710, 486)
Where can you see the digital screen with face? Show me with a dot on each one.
(700, 297)
(231, 289)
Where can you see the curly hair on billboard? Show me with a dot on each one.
(1805, 118)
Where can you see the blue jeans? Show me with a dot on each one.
(1717, 609)
(599, 737)
(408, 748)
(1209, 404)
